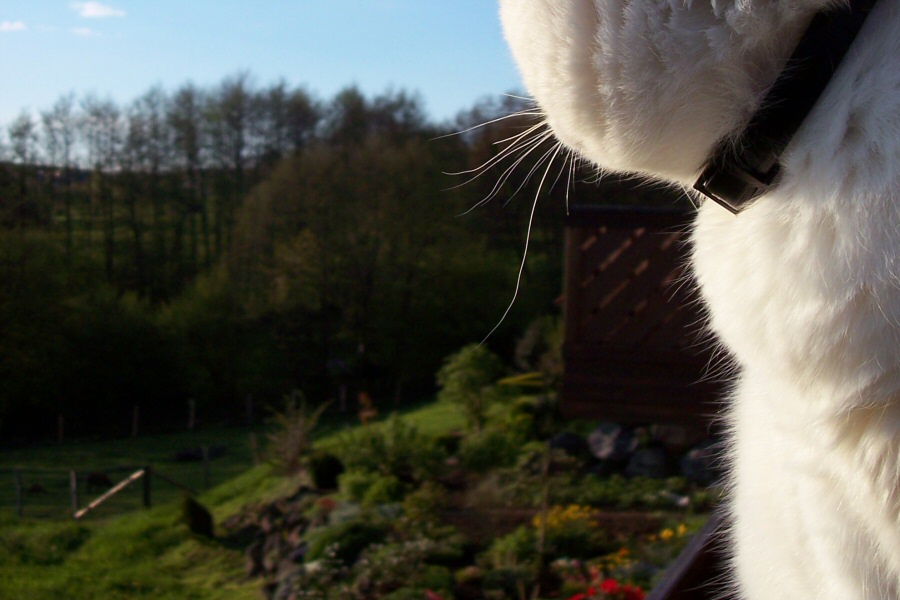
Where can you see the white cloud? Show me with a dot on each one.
(9, 26)
(85, 32)
(96, 10)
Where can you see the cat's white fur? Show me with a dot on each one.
(803, 286)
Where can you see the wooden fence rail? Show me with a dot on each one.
(43, 488)
(141, 473)
(145, 474)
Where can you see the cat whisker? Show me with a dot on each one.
(527, 112)
(516, 145)
(523, 150)
(504, 177)
(556, 150)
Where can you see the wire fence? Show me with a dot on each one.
(59, 493)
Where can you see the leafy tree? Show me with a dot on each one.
(185, 118)
(23, 140)
(60, 128)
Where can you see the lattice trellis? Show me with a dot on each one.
(633, 347)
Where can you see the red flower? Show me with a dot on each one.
(610, 586)
(633, 592)
(429, 595)
(579, 597)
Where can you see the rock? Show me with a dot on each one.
(253, 565)
(272, 549)
(674, 438)
(648, 462)
(612, 442)
(286, 582)
(298, 554)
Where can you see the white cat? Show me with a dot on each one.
(803, 286)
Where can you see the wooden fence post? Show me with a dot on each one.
(146, 481)
(73, 490)
(17, 475)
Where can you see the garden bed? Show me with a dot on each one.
(491, 514)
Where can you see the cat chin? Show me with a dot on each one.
(645, 86)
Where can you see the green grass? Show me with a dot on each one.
(149, 553)
(48, 467)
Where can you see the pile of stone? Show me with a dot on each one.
(656, 451)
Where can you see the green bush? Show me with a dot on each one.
(371, 489)
(540, 348)
(489, 449)
(354, 484)
(291, 438)
(385, 489)
(617, 491)
(437, 579)
(426, 503)
(400, 570)
(393, 448)
(516, 549)
(467, 379)
(347, 540)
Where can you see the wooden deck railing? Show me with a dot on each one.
(700, 572)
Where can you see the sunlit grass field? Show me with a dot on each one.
(129, 552)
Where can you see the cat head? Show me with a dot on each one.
(650, 86)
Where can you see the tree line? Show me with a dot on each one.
(242, 241)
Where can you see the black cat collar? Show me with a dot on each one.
(743, 168)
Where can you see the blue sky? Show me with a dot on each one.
(449, 51)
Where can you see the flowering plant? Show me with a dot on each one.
(592, 581)
(610, 589)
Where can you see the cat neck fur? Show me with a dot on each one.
(803, 286)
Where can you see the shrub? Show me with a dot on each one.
(571, 531)
(346, 541)
(426, 503)
(393, 448)
(291, 439)
(325, 468)
(355, 484)
(540, 348)
(384, 490)
(514, 550)
(489, 449)
(197, 517)
(467, 379)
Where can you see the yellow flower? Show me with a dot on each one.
(558, 517)
(682, 529)
(666, 535)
